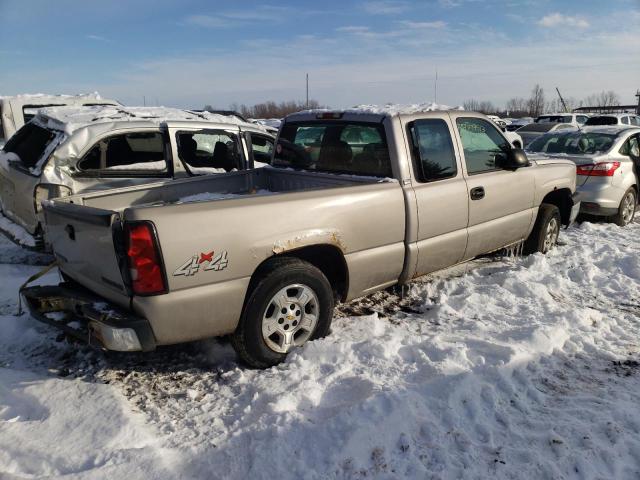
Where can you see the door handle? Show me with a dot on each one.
(476, 193)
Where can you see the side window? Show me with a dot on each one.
(484, 147)
(132, 152)
(209, 151)
(581, 119)
(631, 148)
(262, 149)
(625, 120)
(434, 158)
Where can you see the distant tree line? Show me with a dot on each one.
(269, 109)
(536, 104)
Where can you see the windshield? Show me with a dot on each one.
(30, 143)
(338, 147)
(602, 121)
(575, 143)
(554, 119)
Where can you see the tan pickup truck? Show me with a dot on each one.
(355, 201)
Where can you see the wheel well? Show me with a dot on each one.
(561, 198)
(327, 258)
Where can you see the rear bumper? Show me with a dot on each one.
(600, 197)
(89, 318)
(575, 209)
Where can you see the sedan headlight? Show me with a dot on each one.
(48, 192)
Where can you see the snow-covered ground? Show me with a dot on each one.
(502, 368)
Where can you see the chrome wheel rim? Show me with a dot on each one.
(551, 234)
(290, 318)
(628, 207)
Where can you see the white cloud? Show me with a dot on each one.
(385, 7)
(98, 38)
(420, 25)
(264, 13)
(560, 20)
(207, 21)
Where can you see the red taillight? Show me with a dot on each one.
(605, 169)
(144, 264)
(329, 115)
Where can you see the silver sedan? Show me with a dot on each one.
(607, 164)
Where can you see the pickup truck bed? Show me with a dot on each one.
(269, 210)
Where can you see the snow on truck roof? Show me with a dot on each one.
(389, 109)
(70, 119)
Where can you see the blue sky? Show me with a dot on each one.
(190, 53)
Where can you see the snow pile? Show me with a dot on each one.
(504, 368)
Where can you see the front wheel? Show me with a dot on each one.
(546, 230)
(290, 304)
(627, 209)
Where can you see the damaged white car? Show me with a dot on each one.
(17, 110)
(69, 150)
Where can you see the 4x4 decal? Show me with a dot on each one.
(192, 266)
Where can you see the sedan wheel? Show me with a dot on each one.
(627, 209)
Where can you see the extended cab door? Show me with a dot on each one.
(500, 201)
(441, 194)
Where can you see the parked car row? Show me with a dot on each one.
(608, 163)
(263, 254)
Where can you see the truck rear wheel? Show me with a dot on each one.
(546, 230)
(290, 304)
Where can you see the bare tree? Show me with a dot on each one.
(517, 106)
(603, 99)
(473, 105)
(536, 101)
(271, 109)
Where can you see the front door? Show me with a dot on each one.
(500, 201)
(441, 195)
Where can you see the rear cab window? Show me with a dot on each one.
(344, 147)
(32, 144)
(602, 121)
(209, 151)
(130, 154)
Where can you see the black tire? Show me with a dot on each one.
(622, 217)
(537, 241)
(277, 274)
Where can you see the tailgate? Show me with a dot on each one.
(82, 239)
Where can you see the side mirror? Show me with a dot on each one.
(516, 158)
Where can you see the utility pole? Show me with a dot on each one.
(564, 105)
(435, 88)
(307, 91)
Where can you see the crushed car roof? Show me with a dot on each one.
(70, 119)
